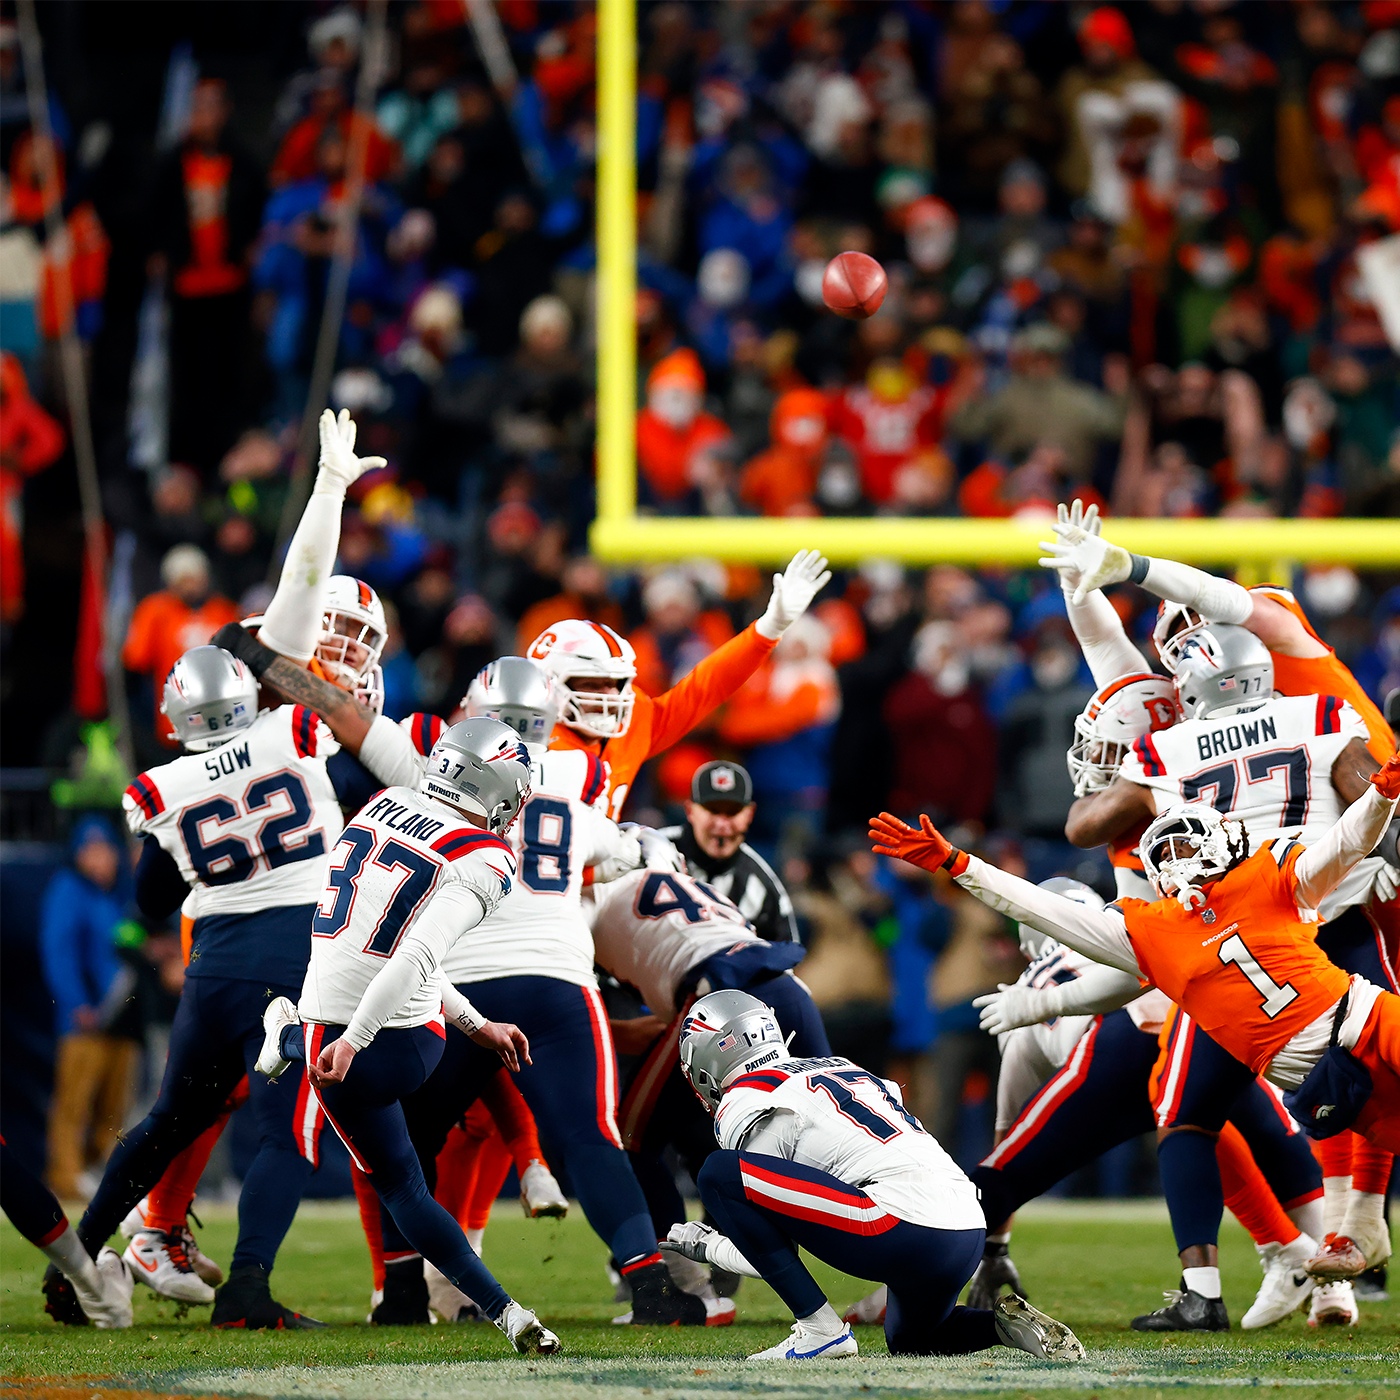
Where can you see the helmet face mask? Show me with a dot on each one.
(479, 767)
(353, 633)
(724, 1036)
(593, 669)
(519, 693)
(1189, 847)
(1112, 721)
(209, 697)
(1175, 621)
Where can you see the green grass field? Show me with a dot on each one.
(1093, 1266)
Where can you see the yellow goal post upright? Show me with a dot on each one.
(1258, 548)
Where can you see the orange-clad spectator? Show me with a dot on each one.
(167, 624)
(30, 440)
(672, 429)
(297, 159)
(843, 622)
(885, 421)
(993, 491)
(677, 635)
(584, 594)
(1378, 146)
(782, 479)
(1288, 275)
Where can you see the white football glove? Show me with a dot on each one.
(690, 1240)
(340, 468)
(623, 861)
(793, 591)
(1011, 1006)
(1074, 516)
(1091, 558)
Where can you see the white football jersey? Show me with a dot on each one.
(401, 855)
(652, 926)
(832, 1115)
(251, 822)
(540, 930)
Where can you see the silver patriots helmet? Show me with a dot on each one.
(210, 695)
(519, 693)
(1222, 665)
(726, 1035)
(480, 767)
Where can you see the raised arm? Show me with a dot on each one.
(1319, 870)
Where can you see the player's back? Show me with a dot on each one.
(249, 824)
(1245, 965)
(839, 1118)
(1268, 764)
(400, 851)
(540, 929)
(652, 926)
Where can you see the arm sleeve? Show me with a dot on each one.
(1097, 933)
(1320, 868)
(388, 753)
(1097, 991)
(458, 1011)
(711, 683)
(1216, 599)
(160, 888)
(451, 912)
(1105, 644)
(292, 623)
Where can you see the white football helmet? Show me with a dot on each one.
(1174, 622)
(1122, 712)
(369, 692)
(353, 632)
(1188, 846)
(578, 650)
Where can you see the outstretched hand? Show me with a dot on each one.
(1387, 780)
(340, 468)
(506, 1040)
(793, 591)
(1090, 559)
(925, 846)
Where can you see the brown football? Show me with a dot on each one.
(854, 285)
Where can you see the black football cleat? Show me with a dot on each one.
(657, 1302)
(246, 1301)
(995, 1272)
(1370, 1287)
(725, 1284)
(1185, 1311)
(60, 1301)
(405, 1301)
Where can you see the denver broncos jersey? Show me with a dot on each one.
(1245, 966)
(250, 825)
(832, 1115)
(400, 854)
(1269, 764)
(540, 930)
(658, 722)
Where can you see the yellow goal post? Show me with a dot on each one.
(1258, 548)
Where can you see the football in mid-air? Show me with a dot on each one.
(854, 285)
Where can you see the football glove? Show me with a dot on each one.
(690, 1240)
(995, 1272)
(927, 848)
(339, 467)
(1072, 517)
(1011, 1006)
(1387, 781)
(793, 591)
(1095, 561)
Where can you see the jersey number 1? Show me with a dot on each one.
(1276, 998)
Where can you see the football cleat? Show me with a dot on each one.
(1185, 1311)
(657, 1302)
(246, 1301)
(1340, 1257)
(526, 1333)
(870, 1311)
(1370, 1287)
(807, 1344)
(60, 1300)
(138, 1220)
(540, 1194)
(160, 1261)
(995, 1272)
(691, 1277)
(405, 1299)
(1334, 1305)
(1028, 1329)
(446, 1302)
(112, 1309)
(277, 1016)
(725, 1283)
(1287, 1284)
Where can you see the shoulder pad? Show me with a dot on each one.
(146, 796)
(465, 840)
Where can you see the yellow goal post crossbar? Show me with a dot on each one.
(620, 536)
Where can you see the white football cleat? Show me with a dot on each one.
(526, 1333)
(161, 1262)
(277, 1016)
(447, 1302)
(1028, 1329)
(540, 1194)
(1287, 1284)
(111, 1310)
(135, 1221)
(805, 1343)
(1334, 1305)
(870, 1311)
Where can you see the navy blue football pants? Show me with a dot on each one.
(365, 1111)
(770, 1207)
(214, 1042)
(29, 1205)
(661, 1110)
(571, 1088)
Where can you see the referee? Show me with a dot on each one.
(718, 816)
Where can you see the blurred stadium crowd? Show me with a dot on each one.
(1122, 247)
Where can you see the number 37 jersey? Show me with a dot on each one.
(840, 1119)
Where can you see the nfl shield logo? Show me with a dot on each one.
(1208, 917)
(722, 779)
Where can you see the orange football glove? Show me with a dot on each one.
(1387, 781)
(927, 848)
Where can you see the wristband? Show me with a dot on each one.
(241, 643)
(1141, 563)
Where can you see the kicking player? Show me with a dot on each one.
(413, 874)
(821, 1154)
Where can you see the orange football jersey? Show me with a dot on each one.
(657, 722)
(1244, 966)
(1325, 675)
